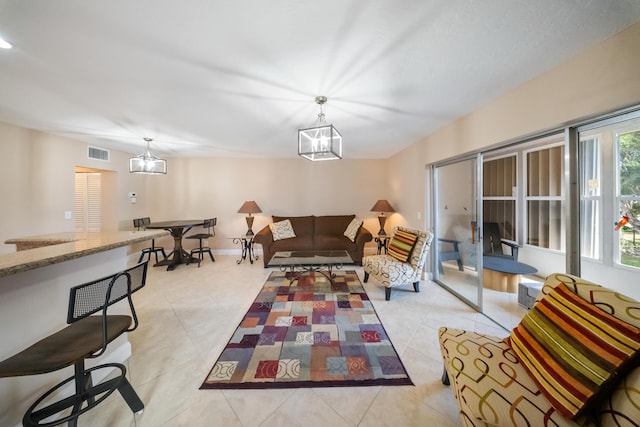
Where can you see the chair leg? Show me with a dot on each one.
(445, 377)
(387, 294)
(366, 277)
(141, 256)
(130, 396)
(199, 252)
(211, 255)
(416, 286)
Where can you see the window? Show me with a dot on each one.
(500, 191)
(590, 197)
(545, 198)
(628, 183)
(610, 193)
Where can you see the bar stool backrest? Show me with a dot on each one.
(97, 295)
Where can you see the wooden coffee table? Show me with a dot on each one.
(321, 261)
(502, 274)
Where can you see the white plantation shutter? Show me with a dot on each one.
(88, 204)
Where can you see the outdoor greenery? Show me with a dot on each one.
(629, 152)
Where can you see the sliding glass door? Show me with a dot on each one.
(456, 217)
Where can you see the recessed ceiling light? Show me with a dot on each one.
(4, 44)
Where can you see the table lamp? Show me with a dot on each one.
(249, 207)
(382, 206)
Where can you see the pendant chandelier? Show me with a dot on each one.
(321, 142)
(147, 163)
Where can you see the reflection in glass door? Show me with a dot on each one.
(455, 215)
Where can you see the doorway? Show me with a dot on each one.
(95, 206)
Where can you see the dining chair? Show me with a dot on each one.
(140, 224)
(209, 231)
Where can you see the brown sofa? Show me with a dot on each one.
(314, 233)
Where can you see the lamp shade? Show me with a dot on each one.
(249, 207)
(382, 206)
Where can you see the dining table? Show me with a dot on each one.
(177, 229)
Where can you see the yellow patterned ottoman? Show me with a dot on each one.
(493, 382)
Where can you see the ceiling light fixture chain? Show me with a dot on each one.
(320, 100)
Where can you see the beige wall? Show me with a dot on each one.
(205, 187)
(601, 79)
(38, 172)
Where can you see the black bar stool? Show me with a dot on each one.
(140, 224)
(86, 336)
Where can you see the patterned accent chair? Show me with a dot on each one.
(393, 273)
(492, 388)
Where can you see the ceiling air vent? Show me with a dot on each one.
(98, 154)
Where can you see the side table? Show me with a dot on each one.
(246, 244)
(503, 274)
(382, 240)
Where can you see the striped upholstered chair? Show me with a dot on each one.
(494, 386)
(403, 263)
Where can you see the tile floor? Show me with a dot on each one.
(188, 315)
(502, 307)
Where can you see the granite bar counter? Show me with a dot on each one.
(59, 247)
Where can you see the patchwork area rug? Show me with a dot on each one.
(310, 333)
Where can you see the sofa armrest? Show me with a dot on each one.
(265, 238)
(363, 236)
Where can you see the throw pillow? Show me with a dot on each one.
(573, 350)
(352, 229)
(401, 245)
(282, 230)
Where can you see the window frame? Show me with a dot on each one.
(526, 198)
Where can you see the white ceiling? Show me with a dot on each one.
(238, 78)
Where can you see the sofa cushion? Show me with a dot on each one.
(401, 245)
(282, 230)
(297, 244)
(333, 225)
(352, 229)
(326, 242)
(573, 350)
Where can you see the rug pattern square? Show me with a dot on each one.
(311, 332)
